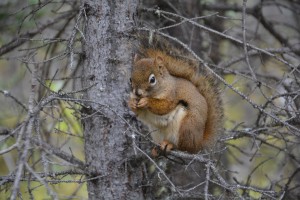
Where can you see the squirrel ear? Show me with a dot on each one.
(160, 63)
(136, 58)
(159, 60)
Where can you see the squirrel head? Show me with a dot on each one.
(148, 77)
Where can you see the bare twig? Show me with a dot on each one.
(17, 41)
(245, 41)
(7, 94)
(40, 179)
(26, 144)
(224, 36)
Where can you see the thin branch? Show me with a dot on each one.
(24, 148)
(157, 167)
(231, 38)
(207, 179)
(59, 153)
(245, 41)
(22, 159)
(21, 39)
(256, 11)
(7, 94)
(40, 179)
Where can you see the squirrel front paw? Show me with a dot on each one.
(143, 102)
(132, 103)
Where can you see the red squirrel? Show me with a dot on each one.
(179, 104)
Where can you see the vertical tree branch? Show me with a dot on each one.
(245, 40)
(24, 147)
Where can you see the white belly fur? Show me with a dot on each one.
(164, 127)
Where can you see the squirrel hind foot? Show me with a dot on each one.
(163, 149)
(166, 146)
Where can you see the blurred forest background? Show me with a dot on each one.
(252, 47)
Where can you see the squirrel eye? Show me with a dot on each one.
(130, 80)
(152, 79)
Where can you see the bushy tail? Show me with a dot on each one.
(208, 87)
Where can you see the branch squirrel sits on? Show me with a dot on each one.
(181, 105)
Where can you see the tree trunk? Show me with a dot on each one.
(107, 63)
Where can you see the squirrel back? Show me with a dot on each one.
(181, 65)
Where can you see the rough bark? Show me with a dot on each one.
(107, 63)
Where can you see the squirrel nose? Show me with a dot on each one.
(138, 92)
